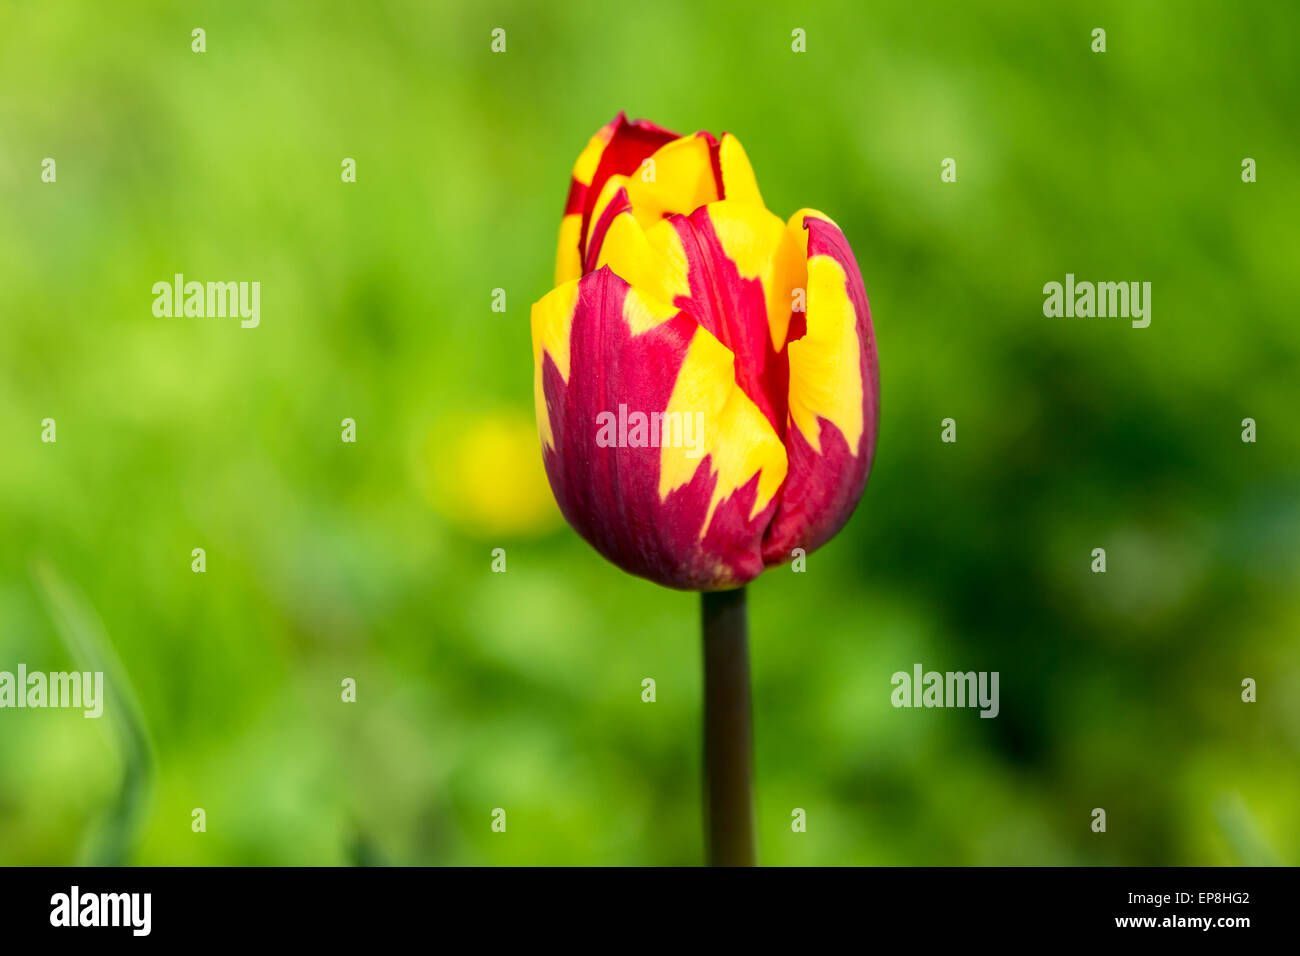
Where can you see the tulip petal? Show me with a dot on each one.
(834, 396)
(679, 178)
(613, 202)
(683, 178)
(568, 263)
(552, 321)
(739, 439)
(730, 249)
(735, 266)
(652, 260)
(652, 171)
(738, 180)
(689, 512)
(631, 143)
(619, 147)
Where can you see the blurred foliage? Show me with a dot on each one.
(522, 690)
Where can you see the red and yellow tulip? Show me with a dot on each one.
(679, 296)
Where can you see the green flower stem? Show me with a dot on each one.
(728, 730)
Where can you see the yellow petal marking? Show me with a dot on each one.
(552, 321)
(642, 311)
(731, 430)
(568, 263)
(607, 193)
(825, 365)
(650, 259)
(738, 180)
(585, 168)
(762, 248)
(683, 181)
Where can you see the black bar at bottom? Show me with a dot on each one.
(333, 906)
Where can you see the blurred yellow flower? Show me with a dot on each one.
(482, 473)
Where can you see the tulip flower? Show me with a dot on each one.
(705, 372)
(681, 298)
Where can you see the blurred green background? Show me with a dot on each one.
(522, 690)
